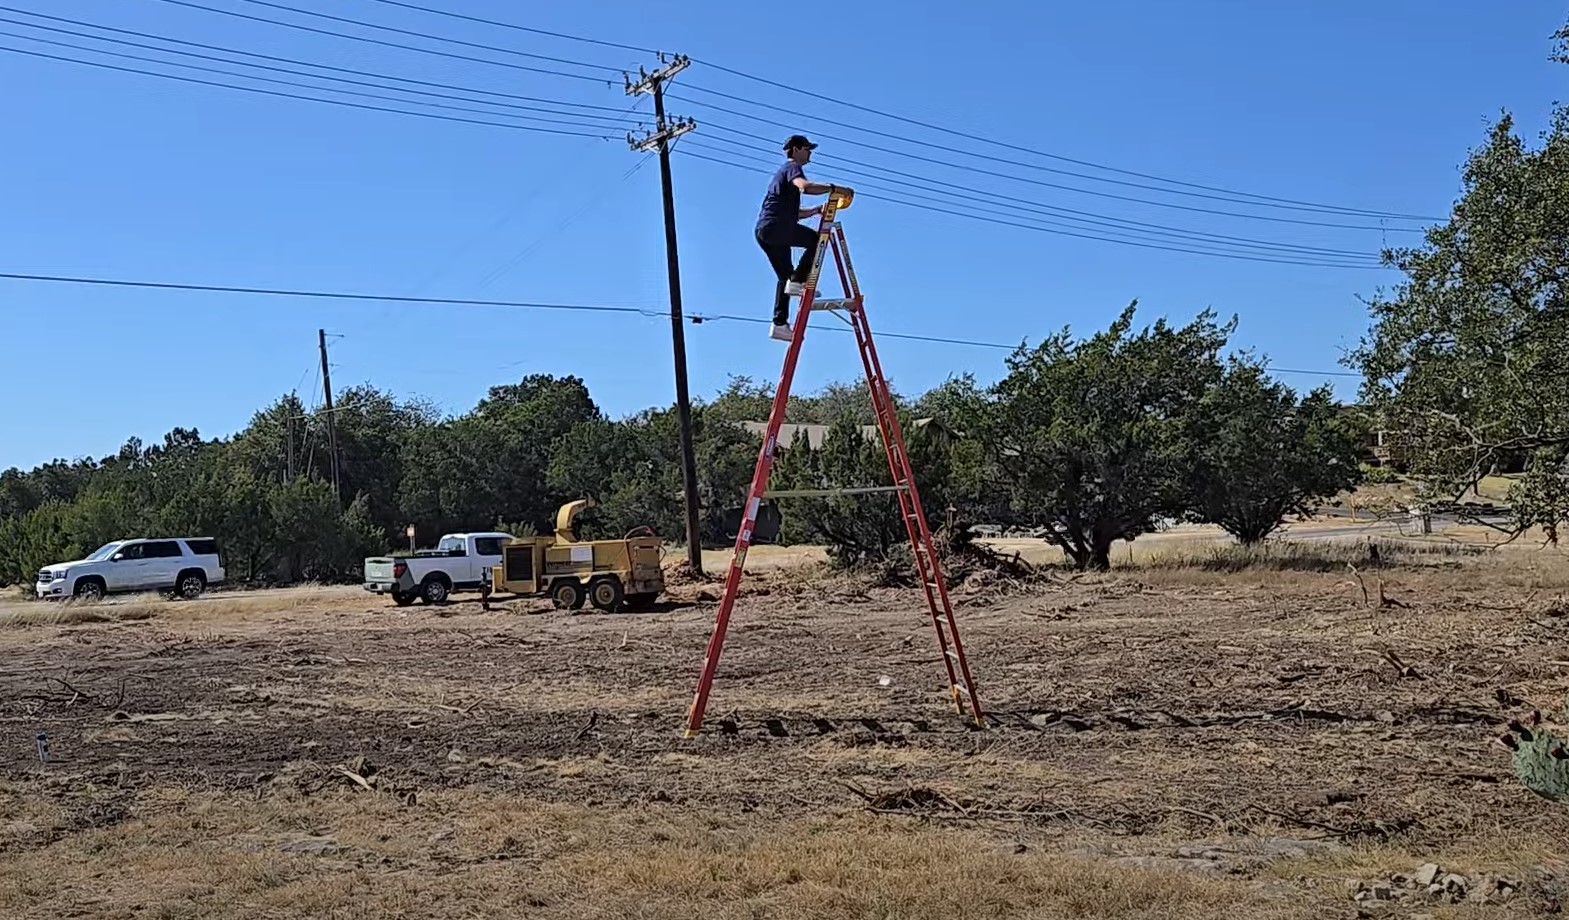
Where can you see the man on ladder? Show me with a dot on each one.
(779, 229)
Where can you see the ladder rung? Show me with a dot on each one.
(963, 689)
(836, 303)
(951, 654)
(826, 493)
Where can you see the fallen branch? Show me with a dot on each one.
(356, 778)
(1360, 583)
(1384, 601)
(75, 693)
(1401, 668)
(1302, 822)
(1219, 822)
(1378, 828)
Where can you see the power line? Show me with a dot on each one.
(1116, 224)
(388, 44)
(519, 28)
(455, 41)
(985, 140)
(971, 343)
(697, 318)
(326, 295)
(564, 223)
(1040, 182)
(1136, 228)
(269, 92)
(1088, 217)
(1219, 193)
(534, 192)
(270, 57)
(516, 260)
(968, 214)
(1260, 200)
(584, 120)
(550, 131)
(972, 216)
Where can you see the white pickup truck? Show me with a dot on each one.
(458, 563)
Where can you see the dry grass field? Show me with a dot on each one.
(1200, 734)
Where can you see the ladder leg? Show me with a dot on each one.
(760, 474)
(924, 550)
(898, 468)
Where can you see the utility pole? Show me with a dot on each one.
(332, 425)
(664, 132)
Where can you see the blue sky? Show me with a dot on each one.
(109, 174)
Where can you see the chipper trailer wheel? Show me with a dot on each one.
(567, 594)
(606, 594)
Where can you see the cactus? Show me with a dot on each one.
(1541, 757)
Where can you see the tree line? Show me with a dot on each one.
(1093, 440)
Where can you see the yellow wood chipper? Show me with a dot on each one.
(609, 574)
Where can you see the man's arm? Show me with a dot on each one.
(809, 187)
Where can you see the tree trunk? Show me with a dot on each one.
(1101, 538)
(1100, 555)
(1075, 549)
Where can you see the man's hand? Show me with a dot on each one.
(812, 211)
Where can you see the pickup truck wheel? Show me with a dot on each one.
(190, 585)
(605, 593)
(401, 599)
(434, 590)
(567, 594)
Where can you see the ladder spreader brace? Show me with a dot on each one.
(830, 238)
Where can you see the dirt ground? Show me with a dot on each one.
(1164, 741)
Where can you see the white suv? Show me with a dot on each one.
(181, 567)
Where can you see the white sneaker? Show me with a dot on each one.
(794, 288)
(782, 333)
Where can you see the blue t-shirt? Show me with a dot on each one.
(782, 200)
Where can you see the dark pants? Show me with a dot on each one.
(776, 243)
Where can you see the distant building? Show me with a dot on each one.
(817, 434)
(1387, 447)
(769, 517)
(1382, 445)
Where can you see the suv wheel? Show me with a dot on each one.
(89, 589)
(191, 585)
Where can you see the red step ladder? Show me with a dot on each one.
(830, 238)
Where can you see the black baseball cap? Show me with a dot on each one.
(799, 140)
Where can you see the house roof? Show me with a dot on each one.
(817, 434)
